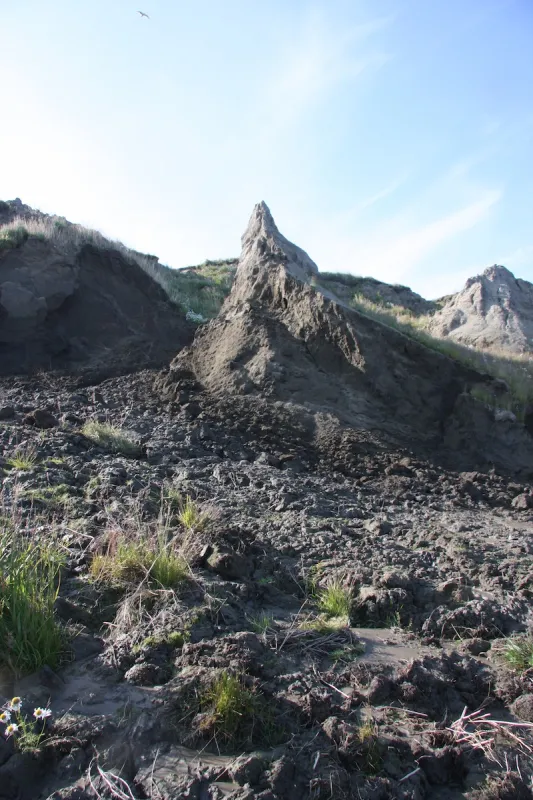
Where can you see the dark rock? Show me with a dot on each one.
(229, 564)
(86, 646)
(21, 776)
(41, 418)
(379, 690)
(476, 646)
(447, 765)
(247, 769)
(378, 526)
(7, 412)
(523, 707)
(522, 502)
(281, 778)
(60, 309)
(147, 674)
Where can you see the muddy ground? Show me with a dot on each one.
(439, 565)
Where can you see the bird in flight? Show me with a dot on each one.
(143, 14)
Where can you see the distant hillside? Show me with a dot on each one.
(494, 310)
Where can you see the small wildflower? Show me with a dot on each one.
(42, 713)
(5, 716)
(11, 729)
(15, 704)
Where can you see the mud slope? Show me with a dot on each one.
(493, 310)
(282, 356)
(92, 308)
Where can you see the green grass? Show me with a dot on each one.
(12, 237)
(518, 653)
(111, 438)
(371, 758)
(129, 561)
(260, 623)
(515, 370)
(344, 278)
(30, 636)
(24, 458)
(52, 497)
(177, 508)
(347, 654)
(201, 289)
(191, 516)
(236, 716)
(335, 600)
(175, 639)
(324, 624)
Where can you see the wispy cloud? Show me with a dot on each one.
(391, 255)
(319, 58)
(410, 248)
(382, 194)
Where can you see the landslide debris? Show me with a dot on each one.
(284, 357)
(271, 583)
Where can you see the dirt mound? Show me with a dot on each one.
(494, 309)
(285, 355)
(89, 308)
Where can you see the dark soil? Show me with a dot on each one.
(439, 564)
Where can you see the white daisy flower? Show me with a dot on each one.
(11, 729)
(5, 716)
(15, 704)
(42, 713)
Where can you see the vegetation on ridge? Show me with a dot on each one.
(516, 370)
(200, 289)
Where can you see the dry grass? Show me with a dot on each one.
(23, 458)
(200, 290)
(111, 438)
(479, 732)
(69, 237)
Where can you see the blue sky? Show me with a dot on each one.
(391, 138)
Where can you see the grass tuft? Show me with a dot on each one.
(260, 623)
(128, 561)
(30, 636)
(518, 653)
(236, 716)
(190, 515)
(111, 438)
(324, 624)
(23, 458)
(335, 600)
(12, 237)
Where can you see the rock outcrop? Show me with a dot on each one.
(493, 310)
(282, 355)
(89, 308)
